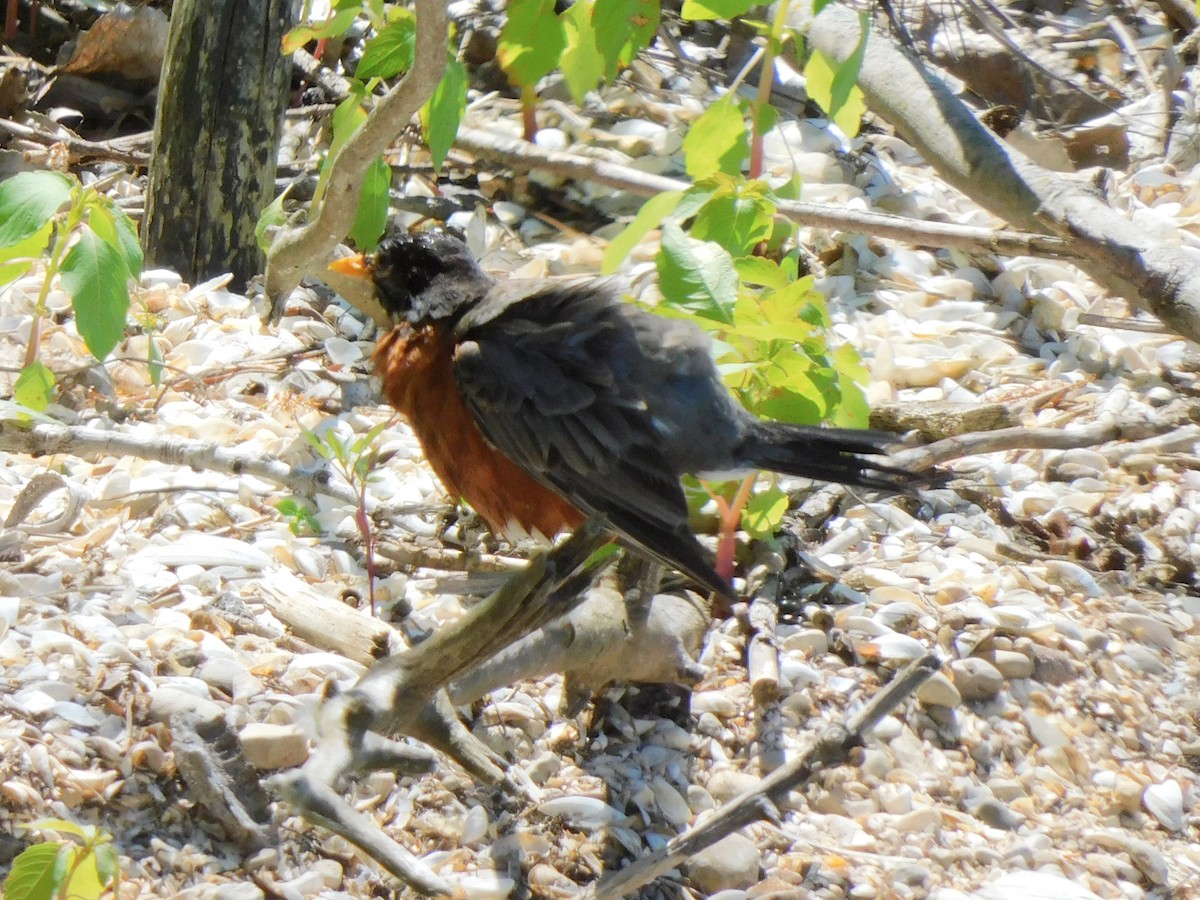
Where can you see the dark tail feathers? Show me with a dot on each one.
(828, 454)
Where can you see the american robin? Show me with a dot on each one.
(539, 404)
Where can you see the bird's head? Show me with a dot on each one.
(420, 278)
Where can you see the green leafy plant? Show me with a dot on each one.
(387, 53)
(81, 236)
(721, 259)
(769, 324)
(355, 462)
(300, 517)
(79, 869)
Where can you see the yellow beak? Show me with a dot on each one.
(357, 266)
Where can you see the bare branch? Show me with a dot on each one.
(521, 156)
(307, 249)
(40, 440)
(830, 749)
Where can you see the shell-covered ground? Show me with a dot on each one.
(1055, 754)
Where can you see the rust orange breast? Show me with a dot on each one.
(415, 365)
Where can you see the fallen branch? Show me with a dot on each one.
(123, 149)
(1161, 277)
(762, 644)
(41, 440)
(597, 643)
(403, 694)
(831, 748)
(919, 459)
(521, 156)
(305, 250)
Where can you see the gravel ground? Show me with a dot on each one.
(1055, 754)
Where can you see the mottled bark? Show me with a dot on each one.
(220, 107)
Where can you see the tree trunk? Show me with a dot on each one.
(220, 107)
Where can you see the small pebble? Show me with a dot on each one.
(725, 784)
(1164, 801)
(731, 863)
(976, 679)
(269, 746)
(939, 691)
(1012, 664)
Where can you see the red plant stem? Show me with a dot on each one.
(31, 348)
(10, 20)
(529, 114)
(363, 521)
(731, 515)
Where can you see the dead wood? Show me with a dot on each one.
(918, 459)
(304, 251)
(44, 439)
(521, 156)
(1163, 279)
(403, 694)
(762, 644)
(597, 643)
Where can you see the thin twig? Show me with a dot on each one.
(830, 749)
(118, 149)
(919, 459)
(524, 157)
(40, 440)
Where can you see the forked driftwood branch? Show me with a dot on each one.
(404, 694)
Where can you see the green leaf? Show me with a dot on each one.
(107, 862)
(737, 222)
(313, 31)
(796, 300)
(301, 516)
(84, 882)
(443, 113)
(17, 259)
(760, 270)
(34, 387)
(62, 826)
(600, 555)
(390, 52)
(764, 513)
(373, 200)
(649, 217)
(95, 275)
(793, 406)
(347, 118)
(118, 231)
(156, 360)
(696, 275)
(531, 41)
(717, 141)
(845, 106)
(623, 28)
(27, 202)
(366, 440)
(844, 92)
(582, 65)
(32, 876)
(701, 10)
(321, 448)
(852, 409)
(272, 217)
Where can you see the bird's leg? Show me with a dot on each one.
(638, 578)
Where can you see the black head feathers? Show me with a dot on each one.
(422, 278)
